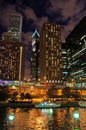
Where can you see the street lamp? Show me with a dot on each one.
(76, 117)
(11, 122)
(11, 117)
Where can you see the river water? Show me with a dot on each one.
(42, 119)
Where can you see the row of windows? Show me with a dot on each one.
(9, 46)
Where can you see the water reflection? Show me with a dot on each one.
(42, 119)
(37, 120)
(2, 119)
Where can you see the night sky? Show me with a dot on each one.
(67, 13)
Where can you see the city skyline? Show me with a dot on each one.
(35, 14)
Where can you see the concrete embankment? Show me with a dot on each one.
(70, 104)
(32, 105)
(15, 105)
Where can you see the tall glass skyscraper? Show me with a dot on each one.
(64, 62)
(50, 54)
(77, 53)
(15, 26)
(35, 56)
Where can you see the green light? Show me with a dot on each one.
(11, 117)
(76, 115)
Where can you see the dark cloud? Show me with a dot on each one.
(69, 13)
(64, 12)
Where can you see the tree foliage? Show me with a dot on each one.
(4, 94)
(70, 93)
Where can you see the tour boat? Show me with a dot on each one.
(48, 104)
(82, 103)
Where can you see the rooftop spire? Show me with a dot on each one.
(35, 34)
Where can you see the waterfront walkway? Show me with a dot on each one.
(15, 105)
(32, 105)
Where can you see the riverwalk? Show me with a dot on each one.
(32, 105)
(15, 105)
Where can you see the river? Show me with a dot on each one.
(42, 119)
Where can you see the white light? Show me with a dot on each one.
(11, 117)
(76, 115)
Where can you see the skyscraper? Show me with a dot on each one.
(35, 56)
(15, 26)
(50, 54)
(12, 60)
(76, 41)
(64, 62)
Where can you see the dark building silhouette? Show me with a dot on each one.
(77, 53)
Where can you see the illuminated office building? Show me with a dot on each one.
(7, 36)
(35, 56)
(77, 53)
(15, 26)
(11, 60)
(64, 62)
(50, 54)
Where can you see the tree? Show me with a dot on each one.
(14, 95)
(22, 96)
(3, 95)
(28, 96)
(76, 94)
(70, 93)
(66, 92)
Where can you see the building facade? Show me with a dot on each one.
(15, 26)
(64, 62)
(77, 53)
(50, 54)
(12, 60)
(35, 56)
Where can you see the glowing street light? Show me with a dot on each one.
(11, 117)
(76, 115)
(10, 121)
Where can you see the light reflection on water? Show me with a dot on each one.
(42, 119)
